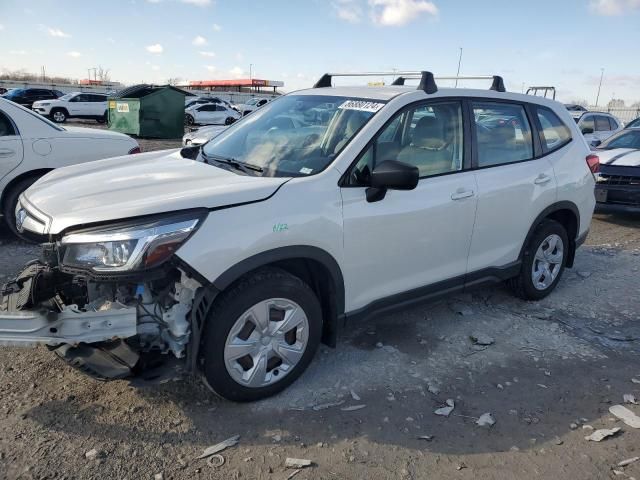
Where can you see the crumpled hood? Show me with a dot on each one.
(135, 185)
(620, 157)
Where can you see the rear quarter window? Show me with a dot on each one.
(554, 133)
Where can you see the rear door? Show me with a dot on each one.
(603, 128)
(83, 105)
(11, 150)
(98, 105)
(515, 183)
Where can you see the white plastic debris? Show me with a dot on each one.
(217, 448)
(626, 415)
(297, 463)
(601, 434)
(91, 454)
(630, 398)
(482, 339)
(486, 420)
(446, 411)
(352, 408)
(427, 438)
(628, 461)
(355, 396)
(635, 380)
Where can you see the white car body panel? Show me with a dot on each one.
(217, 117)
(202, 135)
(74, 108)
(41, 145)
(117, 186)
(601, 135)
(620, 157)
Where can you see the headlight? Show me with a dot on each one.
(124, 248)
(43, 104)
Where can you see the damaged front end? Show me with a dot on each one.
(110, 301)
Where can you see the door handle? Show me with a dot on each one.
(6, 152)
(460, 194)
(542, 179)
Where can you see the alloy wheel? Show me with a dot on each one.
(547, 262)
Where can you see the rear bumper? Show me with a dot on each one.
(619, 195)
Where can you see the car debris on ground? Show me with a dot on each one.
(630, 398)
(628, 461)
(446, 411)
(601, 434)
(486, 420)
(297, 463)
(626, 415)
(482, 339)
(219, 447)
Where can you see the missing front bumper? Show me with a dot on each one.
(25, 328)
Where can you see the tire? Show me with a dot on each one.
(9, 208)
(58, 115)
(549, 245)
(229, 320)
(229, 120)
(103, 119)
(188, 120)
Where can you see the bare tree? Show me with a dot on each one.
(174, 81)
(616, 103)
(103, 74)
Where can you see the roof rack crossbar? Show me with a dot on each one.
(497, 81)
(426, 78)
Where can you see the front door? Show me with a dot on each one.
(410, 239)
(11, 151)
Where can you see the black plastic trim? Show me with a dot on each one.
(498, 84)
(428, 83)
(286, 253)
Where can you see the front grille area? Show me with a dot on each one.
(623, 180)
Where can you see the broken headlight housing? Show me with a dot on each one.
(127, 247)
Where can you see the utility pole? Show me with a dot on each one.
(251, 76)
(459, 63)
(600, 85)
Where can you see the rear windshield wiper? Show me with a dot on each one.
(242, 166)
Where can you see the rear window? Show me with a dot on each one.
(553, 133)
(602, 123)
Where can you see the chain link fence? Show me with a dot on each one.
(626, 114)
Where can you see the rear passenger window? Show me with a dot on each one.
(602, 123)
(553, 134)
(503, 133)
(6, 127)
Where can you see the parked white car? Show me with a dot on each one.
(598, 126)
(202, 135)
(240, 259)
(31, 146)
(251, 105)
(74, 105)
(210, 114)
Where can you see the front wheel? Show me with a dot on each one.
(229, 120)
(261, 335)
(543, 261)
(59, 116)
(188, 120)
(9, 209)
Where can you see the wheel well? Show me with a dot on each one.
(20, 178)
(66, 112)
(569, 221)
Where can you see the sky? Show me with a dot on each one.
(564, 43)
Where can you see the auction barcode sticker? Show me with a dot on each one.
(361, 105)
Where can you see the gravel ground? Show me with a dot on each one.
(553, 371)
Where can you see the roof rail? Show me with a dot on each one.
(427, 82)
(497, 81)
(544, 90)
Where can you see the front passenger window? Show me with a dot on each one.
(428, 137)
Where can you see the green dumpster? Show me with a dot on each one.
(148, 111)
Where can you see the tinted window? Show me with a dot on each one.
(6, 127)
(503, 132)
(602, 123)
(554, 133)
(207, 108)
(97, 98)
(613, 123)
(587, 123)
(634, 124)
(428, 137)
(626, 139)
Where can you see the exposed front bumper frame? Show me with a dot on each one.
(25, 328)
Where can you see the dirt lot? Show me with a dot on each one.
(552, 373)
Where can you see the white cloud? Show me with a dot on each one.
(211, 68)
(74, 54)
(155, 68)
(236, 72)
(56, 32)
(17, 52)
(348, 10)
(395, 13)
(155, 48)
(198, 3)
(613, 7)
(199, 41)
(208, 54)
(216, 27)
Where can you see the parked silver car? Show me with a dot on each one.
(598, 126)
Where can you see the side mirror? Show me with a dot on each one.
(391, 175)
(596, 143)
(587, 130)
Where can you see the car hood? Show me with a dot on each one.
(620, 157)
(132, 186)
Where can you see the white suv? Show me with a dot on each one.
(241, 256)
(74, 105)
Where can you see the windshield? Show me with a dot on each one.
(18, 92)
(68, 96)
(625, 139)
(295, 135)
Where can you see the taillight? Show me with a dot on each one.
(135, 150)
(593, 161)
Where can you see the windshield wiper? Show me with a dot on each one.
(242, 166)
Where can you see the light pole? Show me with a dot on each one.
(599, 85)
(459, 63)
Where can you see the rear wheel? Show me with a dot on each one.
(9, 209)
(102, 119)
(543, 261)
(261, 335)
(188, 119)
(229, 120)
(59, 116)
